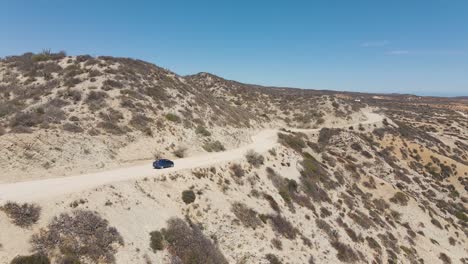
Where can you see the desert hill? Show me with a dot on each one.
(262, 175)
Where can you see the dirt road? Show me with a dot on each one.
(41, 189)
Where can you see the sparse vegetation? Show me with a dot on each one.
(118, 106)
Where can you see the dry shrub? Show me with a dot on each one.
(277, 243)
(283, 226)
(81, 234)
(31, 259)
(96, 100)
(23, 215)
(312, 189)
(327, 228)
(111, 84)
(74, 95)
(273, 259)
(156, 241)
(188, 244)
(445, 259)
(142, 123)
(180, 152)
(213, 146)
(274, 205)
(380, 204)
(237, 170)
(70, 127)
(400, 198)
(373, 244)
(436, 223)
(361, 219)
(326, 134)
(111, 128)
(345, 252)
(254, 158)
(313, 171)
(173, 117)
(247, 216)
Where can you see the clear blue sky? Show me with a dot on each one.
(405, 46)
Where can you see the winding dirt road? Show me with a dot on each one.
(40, 189)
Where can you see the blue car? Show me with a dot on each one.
(163, 163)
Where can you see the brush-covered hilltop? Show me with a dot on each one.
(262, 174)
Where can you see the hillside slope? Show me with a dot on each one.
(106, 112)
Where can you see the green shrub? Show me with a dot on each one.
(157, 240)
(23, 215)
(462, 216)
(188, 196)
(200, 130)
(292, 141)
(214, 146)
(173, 117)
(32, 259)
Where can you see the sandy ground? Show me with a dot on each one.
(41, 189)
